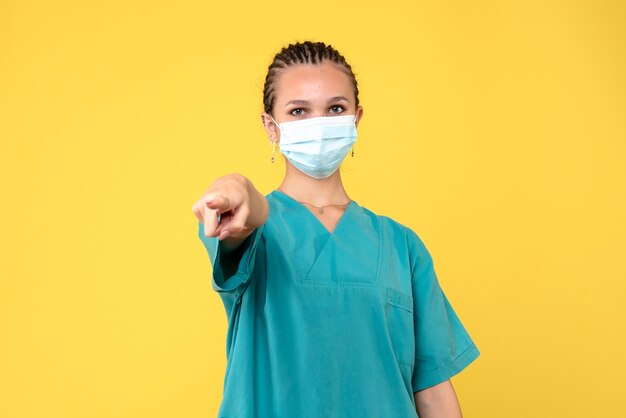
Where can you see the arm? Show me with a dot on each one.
(231, 210)
(438, 401)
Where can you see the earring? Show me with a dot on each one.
(273, 149)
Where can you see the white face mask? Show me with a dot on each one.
(317, 146)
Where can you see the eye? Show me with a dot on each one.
(297, 111)
(336, 109)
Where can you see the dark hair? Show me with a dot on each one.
(306, 52)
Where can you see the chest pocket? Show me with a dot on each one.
(349, 257)
(399, 316)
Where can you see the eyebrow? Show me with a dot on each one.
(304, 102)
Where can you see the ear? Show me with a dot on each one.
(272, 131)
(359, 115)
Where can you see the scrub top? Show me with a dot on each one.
(343, 324)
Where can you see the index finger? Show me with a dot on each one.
(211, 222)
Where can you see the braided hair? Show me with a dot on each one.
(306, 52)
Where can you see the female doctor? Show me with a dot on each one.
(333, 310)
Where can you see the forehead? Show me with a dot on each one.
(310, 80)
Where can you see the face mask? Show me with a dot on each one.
(317, 146)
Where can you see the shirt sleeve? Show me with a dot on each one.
(232, 272)
(443, 347)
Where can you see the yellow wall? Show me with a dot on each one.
(495, 129)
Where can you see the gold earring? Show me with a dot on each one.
(273, 149)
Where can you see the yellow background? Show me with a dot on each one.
(495, 129)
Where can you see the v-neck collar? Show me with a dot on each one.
(320, 225)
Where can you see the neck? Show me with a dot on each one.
(322, 192)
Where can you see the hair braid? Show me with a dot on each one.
(306, 52)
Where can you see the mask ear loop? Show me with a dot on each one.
(355, 142)
(275, 123)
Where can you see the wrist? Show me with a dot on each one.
(259, 207)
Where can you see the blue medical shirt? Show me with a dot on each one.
(343, 324)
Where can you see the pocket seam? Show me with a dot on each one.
(396, 299)
(399, 299)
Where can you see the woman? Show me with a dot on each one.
(333, 311)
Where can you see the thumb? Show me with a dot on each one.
(236, 224)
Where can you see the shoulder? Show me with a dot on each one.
(276, 203)
(402, 238)
(271, 197)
